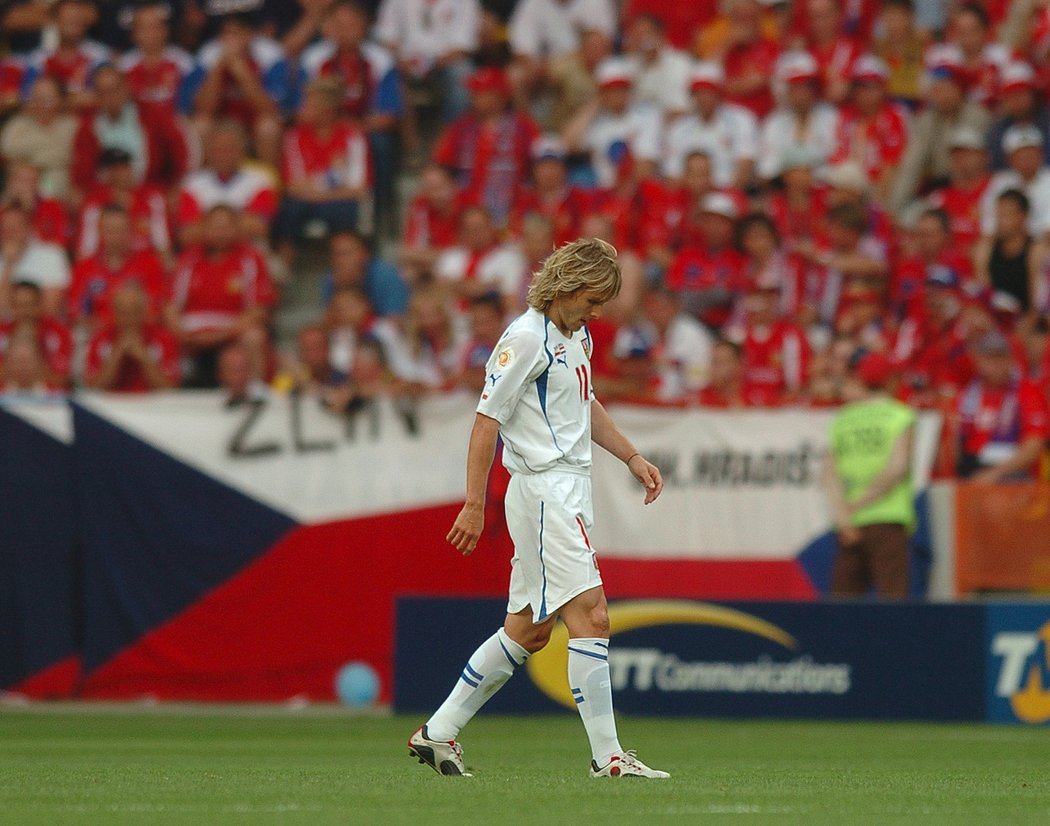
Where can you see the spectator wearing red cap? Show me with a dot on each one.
(96, 278)
(1004, 420)
(29, 321)
(983, 60)
(661, 71)
(926, 161)
(132, 353)
(22, 189)
(868, 481)
(156, 70)
(550, 194)
(73, 58)
(900, 45)
(432, 220)
(149, 133)
(221, 293)
(326, 168)
(873, 130)
(1019, 103)
(227, 177)
(432, 40)
(725, 132)
(835, 51)
(709, 277)
(1028, 172)
(481, 263)
(776, 352)
(962, 197)
(488, 147)
(621, 138)
(801, 120)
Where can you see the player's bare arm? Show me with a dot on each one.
(466, 530)
(607, 435)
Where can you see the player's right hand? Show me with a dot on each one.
(466, 530)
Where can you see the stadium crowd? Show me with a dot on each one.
(792, 186)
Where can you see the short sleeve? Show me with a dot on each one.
(516, 362)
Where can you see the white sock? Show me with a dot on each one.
(484, 674)
(592, 689)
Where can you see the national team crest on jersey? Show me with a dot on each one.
(559, 355)
(587, 346)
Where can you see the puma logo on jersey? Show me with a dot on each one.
(495, 377)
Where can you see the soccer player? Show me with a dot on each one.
(538, 397)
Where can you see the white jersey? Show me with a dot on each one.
(538, 387)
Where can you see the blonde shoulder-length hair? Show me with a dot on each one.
(588, 263)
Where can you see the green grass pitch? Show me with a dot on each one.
(192, 765)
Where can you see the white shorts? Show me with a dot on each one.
(549, 517)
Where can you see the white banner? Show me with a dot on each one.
(737, 485)
(740, 485)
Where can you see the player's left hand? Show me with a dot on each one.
(648, 474)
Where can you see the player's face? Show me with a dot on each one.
(572, 310)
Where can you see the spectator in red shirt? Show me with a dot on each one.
(873, 130)
(325, 168)
(432, 222)
(221, 292)
(245, 76)
(131, 353)
(775, 351)
(550, 193)
(834, 50)
(96, 278)
(145, 204)
(726, 388)
(228, 178)
(49, 215)
(961, 199)
(73, 59)
(710, 277)
(155, 69)
(933, 246)
(488, 147)
(983, 59)
(52, 337)
(673, 219)
(1004, 421)
(681, 21)
(149, 133)
(798, 208)
(749, 58)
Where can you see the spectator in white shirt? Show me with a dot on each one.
(725, 132)
(801, 119)
(1023, 146)
(481, 263)
(661, 71)
(23, 258)
(541, 29)
(433, 38)
(621, 137)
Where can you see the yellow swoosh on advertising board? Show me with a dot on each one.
(548, 668)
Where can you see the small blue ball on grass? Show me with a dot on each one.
(357, 684)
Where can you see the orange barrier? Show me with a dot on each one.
(1002, 537)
